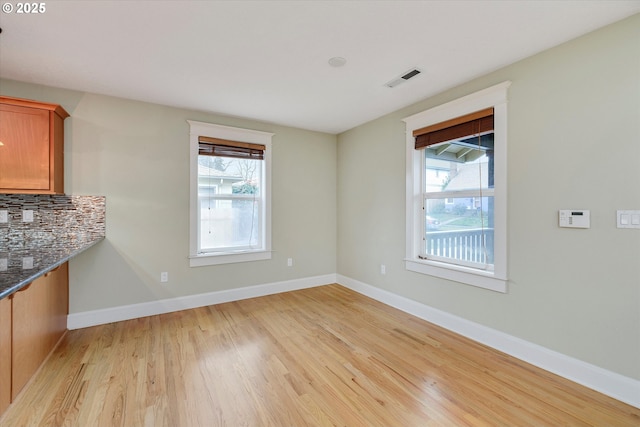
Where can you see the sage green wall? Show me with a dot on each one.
(573, 142)
(137, 155)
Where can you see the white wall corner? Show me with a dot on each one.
(612, 384)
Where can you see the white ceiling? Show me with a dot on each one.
(268, 60)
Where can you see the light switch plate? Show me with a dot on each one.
(4, 216)
(3, 264)
(628, 219)
(27, 216)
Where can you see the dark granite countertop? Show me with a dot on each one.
(43, 259)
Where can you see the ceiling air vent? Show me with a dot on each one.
(406, 76)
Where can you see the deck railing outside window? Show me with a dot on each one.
(464, 245)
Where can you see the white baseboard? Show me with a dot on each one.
(134, 311)
(619, 387)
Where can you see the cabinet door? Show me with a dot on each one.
(25, 153)
(39, 321)
(5, 353)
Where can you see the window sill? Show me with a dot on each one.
(227, 258)
(468, 276)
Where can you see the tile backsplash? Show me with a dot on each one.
(57, 220)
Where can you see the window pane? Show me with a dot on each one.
(228, 223)
(228, 175)
(460, 165)
(460, 229)
(230, 200)
(442, 175)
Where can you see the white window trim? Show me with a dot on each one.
(496, 280)
(234, 134)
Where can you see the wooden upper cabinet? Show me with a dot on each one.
(31, 146)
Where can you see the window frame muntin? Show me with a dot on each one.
(496, 280)
(211, 130)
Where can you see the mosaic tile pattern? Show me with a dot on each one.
(62, 227)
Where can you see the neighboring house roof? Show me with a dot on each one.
(466, 177)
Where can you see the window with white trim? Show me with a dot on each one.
(230, 194)
(456, 190)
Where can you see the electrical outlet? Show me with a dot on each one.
(4, 216)
(164, 277)
(27, 216)
(289, 262)
(3, 264)
(383, 269)
(27, 263)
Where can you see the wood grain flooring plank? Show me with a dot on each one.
(323, 356)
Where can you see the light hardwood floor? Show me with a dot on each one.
(325, 356)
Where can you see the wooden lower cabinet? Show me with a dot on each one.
(5, 353)
(39, 319)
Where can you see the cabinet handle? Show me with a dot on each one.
(52, 271)
(28, 285)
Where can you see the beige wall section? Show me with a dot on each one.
(573, 142)
(136, 154)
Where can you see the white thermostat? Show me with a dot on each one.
(574, 218)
